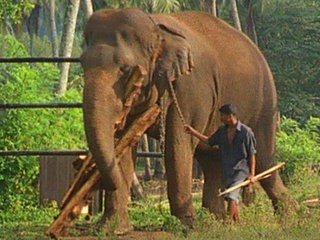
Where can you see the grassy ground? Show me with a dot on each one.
(152, 217)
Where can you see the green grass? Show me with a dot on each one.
(26, 223)
(257, 221)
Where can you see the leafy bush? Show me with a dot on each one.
(298, 147)
(31, 128)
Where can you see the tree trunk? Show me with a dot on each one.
(147, 166)
(214, 8)
(250, 23)
(33, 25)
(235, 15)
(87, 8)
(159, 169)
(53, 27)
(67, 42)
(209, 6)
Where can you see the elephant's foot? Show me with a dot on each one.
(187, 221)
(284, 204)
(113, 223)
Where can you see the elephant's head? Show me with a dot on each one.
(126, 51)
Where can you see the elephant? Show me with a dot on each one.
(191, 63)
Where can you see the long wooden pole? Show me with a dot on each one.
(258, 177)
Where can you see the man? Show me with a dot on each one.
(237, 147)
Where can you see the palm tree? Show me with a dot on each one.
(250, 27)
(235, 14)
(33, 24)
(87, 8)
(51, 7)
(147, 166)
(209, 6)
(67, 42)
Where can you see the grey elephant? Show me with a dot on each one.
(207, 63)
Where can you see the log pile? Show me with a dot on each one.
(87, 180)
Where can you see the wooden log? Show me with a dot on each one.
(87, 163)
(258, 177)
(75, 200)
(315, 200)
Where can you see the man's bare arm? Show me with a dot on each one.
(252, 162)
(195, 133)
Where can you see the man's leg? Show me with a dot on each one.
(233, 203)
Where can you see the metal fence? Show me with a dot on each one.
(50, 105)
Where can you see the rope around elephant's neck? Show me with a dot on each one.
(162, 146)
(175, 101)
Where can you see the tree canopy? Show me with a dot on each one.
(289, 33)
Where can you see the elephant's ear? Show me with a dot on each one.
(175, 58)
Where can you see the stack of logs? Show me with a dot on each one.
(87, 179)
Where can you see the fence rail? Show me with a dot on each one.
(50, 105)
(64, 152)
(39, 59)
(40, 105)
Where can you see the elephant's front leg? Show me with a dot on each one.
(115, 215)
(210, 164)
(178, 162)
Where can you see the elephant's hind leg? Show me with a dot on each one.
(273, 185)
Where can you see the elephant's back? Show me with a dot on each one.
(242, 65)
(244, 75)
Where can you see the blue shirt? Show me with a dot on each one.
(235, 155)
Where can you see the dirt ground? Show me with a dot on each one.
(141, 235)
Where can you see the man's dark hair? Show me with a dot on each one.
(228, 109)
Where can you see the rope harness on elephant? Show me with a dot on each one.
(175, 101)
(162, 146)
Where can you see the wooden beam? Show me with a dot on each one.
(88, 178)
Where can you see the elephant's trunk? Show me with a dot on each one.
(101, 108)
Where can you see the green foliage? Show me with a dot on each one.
(31, 128)
(289, 34)
(14, 10)
(298, 147)
(161, 6)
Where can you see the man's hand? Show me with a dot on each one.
(251, 179)
(188, 129)
(193, 132)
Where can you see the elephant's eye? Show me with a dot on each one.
(125, 72)
(125, 69)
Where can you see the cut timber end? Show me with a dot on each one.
(87, 179)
